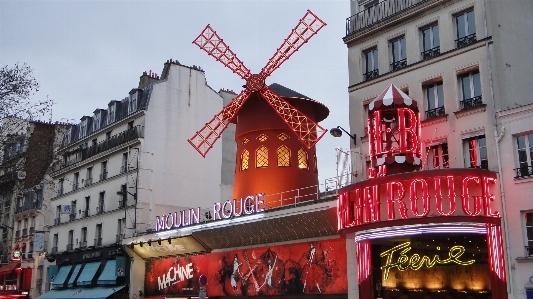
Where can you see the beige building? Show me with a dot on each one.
(462, 61)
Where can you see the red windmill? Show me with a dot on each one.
(303, 125)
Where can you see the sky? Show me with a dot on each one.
(87, 53)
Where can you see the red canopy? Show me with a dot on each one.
(9, 268)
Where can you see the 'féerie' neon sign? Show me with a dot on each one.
(416, 262)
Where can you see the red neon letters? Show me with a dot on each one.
(428, 196)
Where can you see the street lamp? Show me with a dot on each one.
(336, 132)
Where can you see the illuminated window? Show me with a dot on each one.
(525, 155)
(283, 137)
(529, 233)
(261, 157)
(302, 159)
(438, 156)
(244, 159)
(284, 155)
(262, 137)
(245, 141)
(476, 152)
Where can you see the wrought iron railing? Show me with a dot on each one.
(69, 247)
(32, 230)
(471, 103)
(98, 242)
(371, 74)
(57, 221)
(435, 112)
(466, 40)
(377, 13)
(83, 244)
(431, 53)
(100, 209)
(529, 250)
(103, 176)
(523, 171)
(75, 186)
(72, 216)
(24, 232)
(119, 238)
(400, 64)
(123, 169)
(88, 182)
(86, 213)
(54, 250)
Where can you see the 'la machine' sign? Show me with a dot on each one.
(228, 209)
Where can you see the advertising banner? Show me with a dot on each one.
(317, 267)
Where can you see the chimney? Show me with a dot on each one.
(147, 79)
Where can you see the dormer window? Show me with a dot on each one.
(111, 112)
(97, 119)
(83, 128)
(132, 105)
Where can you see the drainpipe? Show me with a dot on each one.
(503, 203)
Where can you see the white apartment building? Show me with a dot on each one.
(463, 61)
(126, 164)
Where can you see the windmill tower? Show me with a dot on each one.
(276, 128)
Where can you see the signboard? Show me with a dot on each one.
(66, 209)
(38, 242)
(304, 268)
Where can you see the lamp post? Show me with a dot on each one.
(336, 132)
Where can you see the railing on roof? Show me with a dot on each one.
(377, 13)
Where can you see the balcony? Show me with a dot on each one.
(377, 13)
(54, 250)
(83, 244)
(113, 141)
(465, 41)
(70, 247)
(471, 103)
(431, 53)
(119, 238)
(103, 176)
(529, 250)
(99, 209)
(371, 74)
(24, 232)
(88, 182)
(29, 205)
(98, 242)
(523, 171)
(400, 64)
(434, 112)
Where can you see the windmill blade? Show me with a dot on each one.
(308, 131)
(204, 139)
(308, 26)
(210, 42)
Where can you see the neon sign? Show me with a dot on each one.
(416, 262)
(228, 209)
(439, 193)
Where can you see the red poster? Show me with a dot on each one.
(304, 268)
(175, 276)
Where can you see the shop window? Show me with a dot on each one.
(283, 137)
(284, 156)
(302, 159)
(476, 152)
(261, 157)
(525, 155)
(245, 157)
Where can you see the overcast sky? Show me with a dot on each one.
(87, 53)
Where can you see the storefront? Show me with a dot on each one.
(15, 278)
(92, 273)
(426, 232)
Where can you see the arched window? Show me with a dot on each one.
(261, 157)
(302, 159)
(284, 156)
(245, 156)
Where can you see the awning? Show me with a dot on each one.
(82, 293)
(74, 276)
(9, 268)
(109, 275)
(88, 273)
(59, 280)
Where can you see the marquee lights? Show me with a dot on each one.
(416, 262)
(362, 203)
(403, 231)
